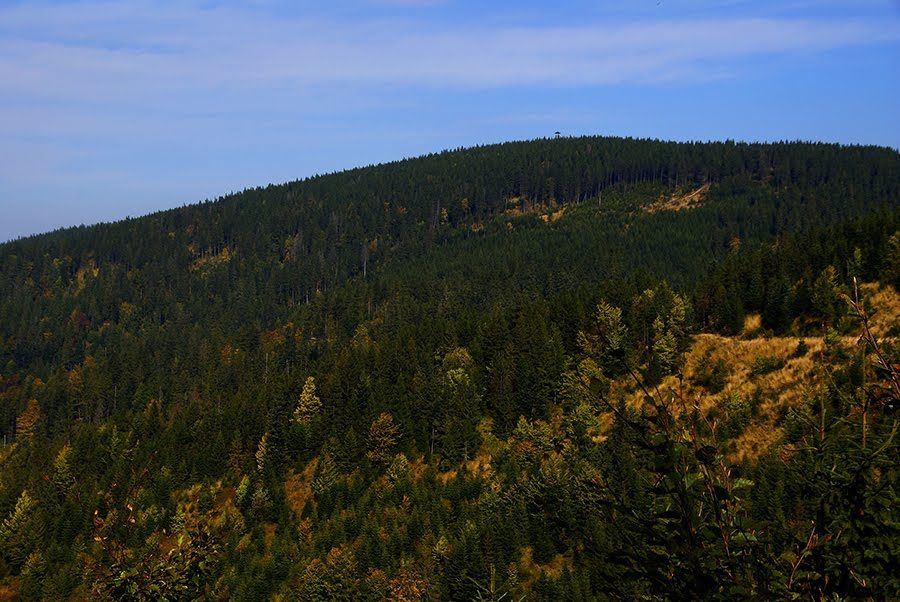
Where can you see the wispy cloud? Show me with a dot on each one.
(96, 52)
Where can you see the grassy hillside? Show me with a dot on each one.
(760, 378)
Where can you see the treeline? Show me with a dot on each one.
(795, 280)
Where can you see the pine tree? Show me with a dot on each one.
(383, 436)
(325, 475)
(262, 452)
(26, 423)
(309, 404)
(825, 298)
(242, 494)
(20, 532)
(890, 268)
(63, 478)
(665, 349)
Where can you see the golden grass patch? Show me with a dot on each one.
(886, 302)
(678, 201)
(775, 370)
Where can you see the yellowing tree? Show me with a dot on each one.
(63, 476)
(383, 435)
(408, 585)
(262, 452)
(21, 532)
(309, 405)
(26, 423)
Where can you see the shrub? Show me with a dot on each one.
(765, 364)
(712, 376)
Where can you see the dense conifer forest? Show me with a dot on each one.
(575, 369)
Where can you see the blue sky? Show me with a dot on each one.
(115, 108)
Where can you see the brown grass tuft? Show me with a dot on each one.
(752, 323)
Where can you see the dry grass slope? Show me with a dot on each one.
(678, 201)
(771, 369)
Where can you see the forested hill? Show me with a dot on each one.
(402, 208)
(468, 221)
(410, 380)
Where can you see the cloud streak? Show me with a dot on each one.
(112, 53)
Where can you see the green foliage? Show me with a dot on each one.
(399, 469)
(260, 501)
(826, 301)
(461, 407)
(383, 437)
(890, 267)
(262, 452)
(182, 573)
(684, 529)
(326, 474)
(242, 494)
(585, 385)
(664, 348)
(608, 342)
(21, 531)
(737, 413)
(34, 573)
(335, 578)
(764, 364)
(63, 474)
(712, 375)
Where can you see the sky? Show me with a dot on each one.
(111, 109)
